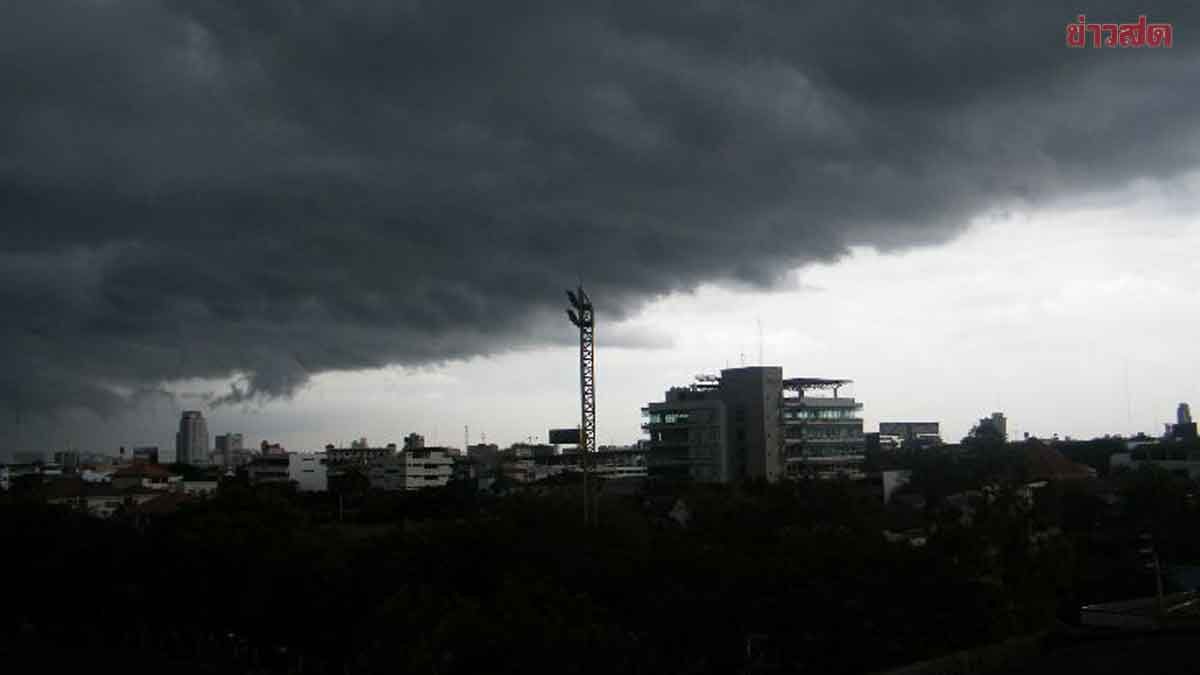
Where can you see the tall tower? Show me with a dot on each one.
(1183, 414)
(583, 317)
(585, 320)
(191, 441)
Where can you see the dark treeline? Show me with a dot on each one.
(685, 579)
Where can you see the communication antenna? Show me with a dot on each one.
(760, 342)
(1128, 399)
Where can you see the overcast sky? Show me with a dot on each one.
(315, 221)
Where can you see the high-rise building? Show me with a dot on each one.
(191, 441)
(1000, 423)
(228, 450)
(414, 441)
(1184, 428)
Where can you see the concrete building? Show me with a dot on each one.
(909, 435)
(191, 441)
(719, 429)
(411, 470)
(1000, 422)
(308, 471)
(754, 402)
(688, 434)
(1184, 428)
(823, 434)
(338, 458)
(230, 451)
(606, 463)
(267, 469)
(143, 475)
(414, 441)
(147, 454)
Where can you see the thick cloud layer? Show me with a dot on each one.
(274, 189)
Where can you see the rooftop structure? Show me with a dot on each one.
(823, 435)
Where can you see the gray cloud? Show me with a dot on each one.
(268, 190)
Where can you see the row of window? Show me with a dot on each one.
(821, 414)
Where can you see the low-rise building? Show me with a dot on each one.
(606, 463)
(99, 500)
(411, 470)
(308, 471)
(909, 435)
(149, 476)
(337, 458)
(269, 469)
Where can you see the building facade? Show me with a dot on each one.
(191, 441)
(823, 434)
(687, 432)
(230, 451)
(751, 423)
(909, 435)
(411, 470)
(308, 471)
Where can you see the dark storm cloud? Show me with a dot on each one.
(275, 189)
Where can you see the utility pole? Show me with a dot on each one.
(582, 315)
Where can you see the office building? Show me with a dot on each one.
(823, 435)
(720, 428)
(751, 423)
(230, 451)
(191, 441)
(414, 441)
(688, 435)
(411, 470)
(147, 454)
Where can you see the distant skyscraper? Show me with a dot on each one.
(1000, 422)
(191, 441)
(1183, 414)
(414, 441)
(228, 446)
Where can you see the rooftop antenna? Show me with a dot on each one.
(1128, 399)
(760, 343)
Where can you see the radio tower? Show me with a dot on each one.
(582, 316)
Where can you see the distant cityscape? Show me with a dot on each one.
(748, 423)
